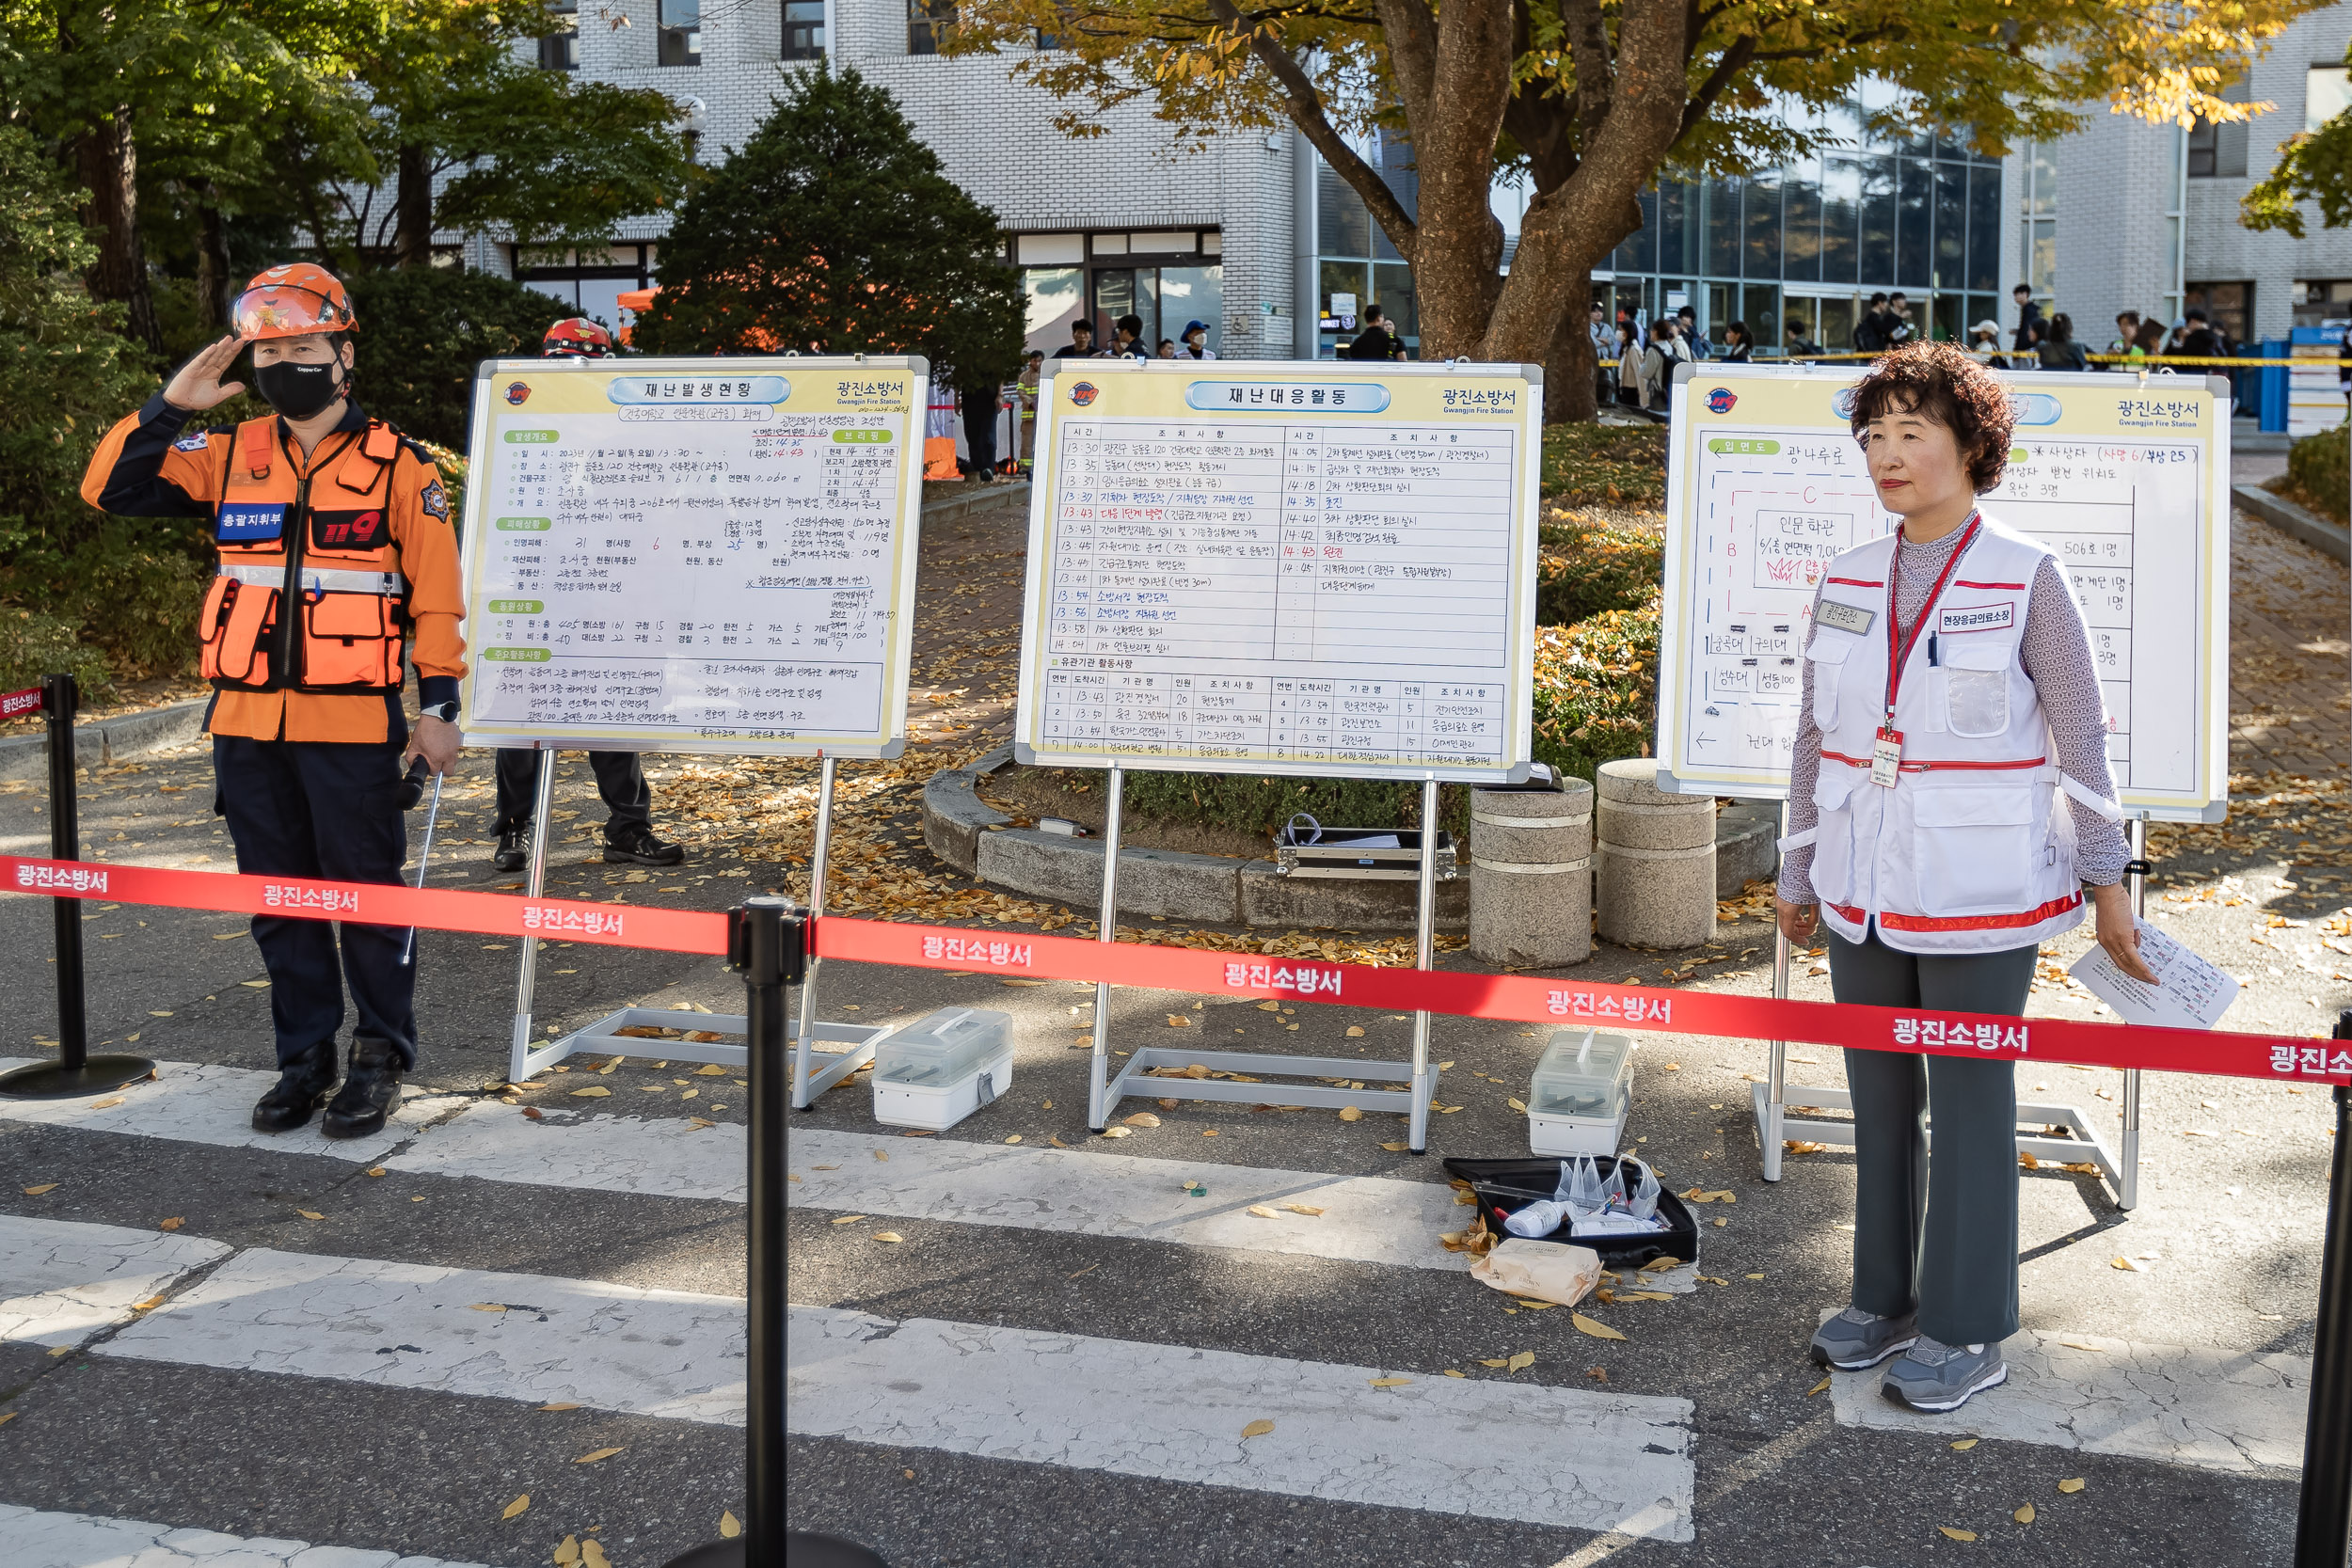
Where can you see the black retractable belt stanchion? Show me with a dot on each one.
(75, 1071)
(2325, 1514)
(768, 943)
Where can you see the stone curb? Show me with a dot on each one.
(108, 740)
(2297, 521)
(956, 506)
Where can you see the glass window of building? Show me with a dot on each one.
(1356, 266)
(928, 21)
(1169, 279)
(803, 30)
(560, 50)
(678, 31)
(2038, 201)
(2219, 151)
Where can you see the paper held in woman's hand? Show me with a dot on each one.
(2193, 994)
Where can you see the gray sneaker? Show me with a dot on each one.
(1932, 1376)
(1854, 1338)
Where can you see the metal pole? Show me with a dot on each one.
(527, 975)
(2325, 1515)
(802, 1099)
(2127, 1148)
(1098, 1084)
(74, 1071)
(1424, 950)
(424, 864)
(1777, 1063)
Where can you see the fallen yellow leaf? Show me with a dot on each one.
(729, 1526)
(1521, 1362)
(1516, 1104)
(1349, 1112)
(1965, 1445)
(1391, 1382)
(1269, 1007)
(1178, 1021)
(2082, 1344)
(1596, 1329)
(567, 1553)
(1118, 1132)
(1355, 1031)
(1257, 1429)
(105, 1105)
(591, 1555)
(1451, 1373)
(1014, 1139)
(1396, 1149)
(518, 1506)
(1263, 1212)
(44, 1187)
(7, 1417)
(711, 1070)
(1307, 1208)
(1957, 1534)
(2072, 1486)
(849, 1219)
(172, 1223)
(560, 1405)
(888, 1236)
(2024, 1515)
(2126, 1265)
(310, 1214)
(1143, 1118)
(591, 1458)
(376, 1170)
(486, 1307)
(1014, 982)
(1816, 1388)
(594, 1091)
(1494, 1363)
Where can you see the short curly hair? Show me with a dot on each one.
(1941, 383)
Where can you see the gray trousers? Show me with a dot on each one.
(1937, 1235)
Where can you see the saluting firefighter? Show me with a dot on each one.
(335, 549)
(629, 834)
(1950, 802)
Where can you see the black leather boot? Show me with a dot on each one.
(370, 1088)
(302, 1085)
(513, 848)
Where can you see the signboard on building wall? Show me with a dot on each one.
(693, 555)
(1284, 570)
(2125, 478)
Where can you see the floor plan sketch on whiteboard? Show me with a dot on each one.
(1774, 509)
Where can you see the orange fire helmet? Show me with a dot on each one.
(577, 337)
(292, 301)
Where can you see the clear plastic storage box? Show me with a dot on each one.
(1581, 1091)
(940, 1068)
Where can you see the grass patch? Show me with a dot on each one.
(1604, 465)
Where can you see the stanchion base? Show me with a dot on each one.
(56, 1081)
(2078, 1143)
(801, 1550)
(1134, 1081)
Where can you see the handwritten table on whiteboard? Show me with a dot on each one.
(693, 555)
(1335, 581)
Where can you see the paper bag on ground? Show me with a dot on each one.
(1544, 1270)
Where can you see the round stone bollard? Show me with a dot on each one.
(1654, 854)
(1531, 881)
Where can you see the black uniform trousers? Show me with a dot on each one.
(619, 780)
(1934, 1232)
(328, 810)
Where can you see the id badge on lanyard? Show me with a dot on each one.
(1886, 748)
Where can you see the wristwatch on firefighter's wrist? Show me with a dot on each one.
(445, 712)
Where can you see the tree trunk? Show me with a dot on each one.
(412, 227)
(106, 163)
(1463, 69)
(1571, 391)
(214, 288)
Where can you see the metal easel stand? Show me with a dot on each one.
(1420, 1078)
(2077, 1140)
(603, 1036)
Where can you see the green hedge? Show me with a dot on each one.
(423, 331)
(1605, 465)
(2321, 467)
(1596, 689)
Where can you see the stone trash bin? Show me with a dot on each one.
(1531, 881)
(1654, 854)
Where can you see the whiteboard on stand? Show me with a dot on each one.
(2125, 479)
(1316, 571)
(707, 555)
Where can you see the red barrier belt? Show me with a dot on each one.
(15, 703)
(2293, 1058)
(374, 904)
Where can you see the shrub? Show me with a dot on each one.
(1263, 805)
(2320, 466)
(1598, 465)
(33, 645)
(1596, 689)
(1588, 566)
(421, 332)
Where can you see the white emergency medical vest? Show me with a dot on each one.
(1968, 852)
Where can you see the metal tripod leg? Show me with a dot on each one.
(1417, 1136)
(1098, 1065)
(1772, 1113)
(526, 973)
(804, 1093)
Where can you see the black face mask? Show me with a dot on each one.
(298, 388)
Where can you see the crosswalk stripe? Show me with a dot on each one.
(2184, 1404)
(65, 1281)
(44, 1540)
(1169, 1413)
(198, 1102)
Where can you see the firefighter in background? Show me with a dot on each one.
(629, 834)
(335, 549)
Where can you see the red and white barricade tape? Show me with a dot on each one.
(2292, 1058)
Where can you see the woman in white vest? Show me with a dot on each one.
(1949, 802)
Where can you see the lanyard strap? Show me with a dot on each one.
(1899, 654)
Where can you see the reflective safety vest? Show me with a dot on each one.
(309, 595)
(1967, 851)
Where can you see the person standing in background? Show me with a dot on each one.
(2056, 350)
(1127, 340)
(1690, 337)
(1628, 366)
(1194, 343)
(1375, 341)
(2028, 318)
(1081, 344)
(1738, 344)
